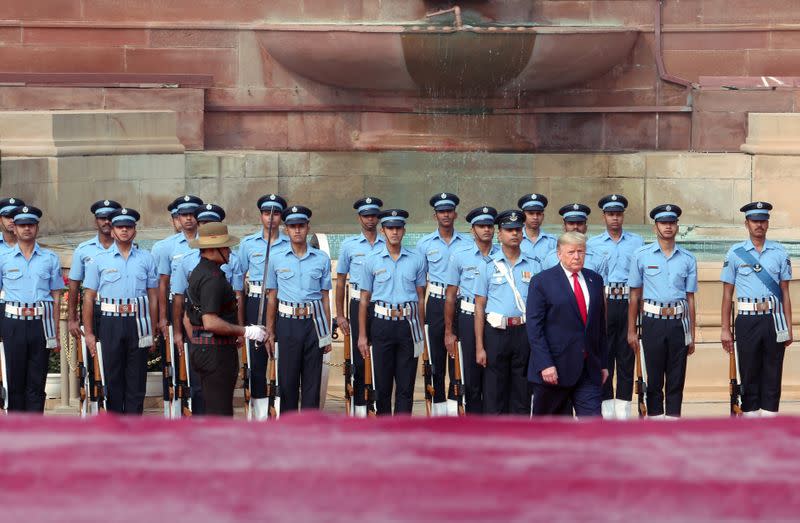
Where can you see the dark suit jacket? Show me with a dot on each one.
(556, 332)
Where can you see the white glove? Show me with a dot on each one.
(256, 333)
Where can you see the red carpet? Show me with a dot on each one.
(314, 468)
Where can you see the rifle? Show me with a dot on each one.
(458, 381)
(83, 378)
(99, 377)
(734, 388)
(184, 382)
(273, 391)
(248, 411)
(427, 373)
(168, 370)
(347, 369)
(3, 380)
(641, 386)
(369, 389)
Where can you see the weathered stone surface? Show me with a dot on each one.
(773, 133)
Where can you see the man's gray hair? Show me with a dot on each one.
(572, 238)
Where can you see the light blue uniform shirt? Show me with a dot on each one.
(664, 279)
(29, 281)
(354, 250)
(594, 261)
(177, 248)
(84, 253)
(464, 267)
(617, 254)
(162, 248)
(773, 259)
(4, 247)
(299, 280)
(492, 285)
(252, 250)
(541, 247)
(394, 282)
(437, 253)
(186, 264)
(112, 276)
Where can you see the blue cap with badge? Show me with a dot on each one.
(575, 212)
(668, 212)
(482, 216)
(757, 211)
(186, 204)
(368, 206)
(445, 201)
(393, 218)
(124, 217)
(613, 203)
(209, 212)
(271, 201)
(9, 204)
(103, 208)
(26, 215)
(532, 202)
(510, 219)
(296, 214)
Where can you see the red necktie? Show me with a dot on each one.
(579, 297)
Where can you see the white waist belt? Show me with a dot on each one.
(392, 313)
(253, 288)
(118, 308)
(436, 289)
(754, 306)
(354, 290)
(24, 311)
(467, 307)
(289, 310)
(498, 321)
(650, 308)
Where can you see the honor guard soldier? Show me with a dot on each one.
(394, 283)
(299, 283)
(759, 270)
(252, 251)
(663, 277)
(85, 253)
(32, 283)
(617, 247)
(183, 265)
(353, 251)
(9, 239)
(211, 308)
(535, 242)
(575, 216)
(124, 278)
(436, 248)
(501, 341)
(459, 313)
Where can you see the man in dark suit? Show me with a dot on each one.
(566, 323)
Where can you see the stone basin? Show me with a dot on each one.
(449, 61)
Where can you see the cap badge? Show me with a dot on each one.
(186, 198)
(513, 217)
(485, 209)
(106, 202)
(759, 205)
(394, 213)
(294, 209)
(614, 197)
(668, 208)
(271, 196)
(576, 206)
(12, 200)
(124, 211)
(24, 209)
(443, 195)
(368, 200)
(533, 196)
(208, 206)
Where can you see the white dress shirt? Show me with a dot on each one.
(582, 281)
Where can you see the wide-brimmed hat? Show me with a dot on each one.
(213, 235)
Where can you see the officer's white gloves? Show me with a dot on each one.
(256, 333)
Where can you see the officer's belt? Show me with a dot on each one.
(617, 291)
(354, 290)
(313, 310)
(254, 288)
(392, 312)
(118, 308)
(498, 321)
(204, 337)
(436, 289)
(744, 305)
(669, 310)
(293, 310)
(24, 312)
(467, 307)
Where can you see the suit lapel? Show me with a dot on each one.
(589, 284)
(566, 283)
